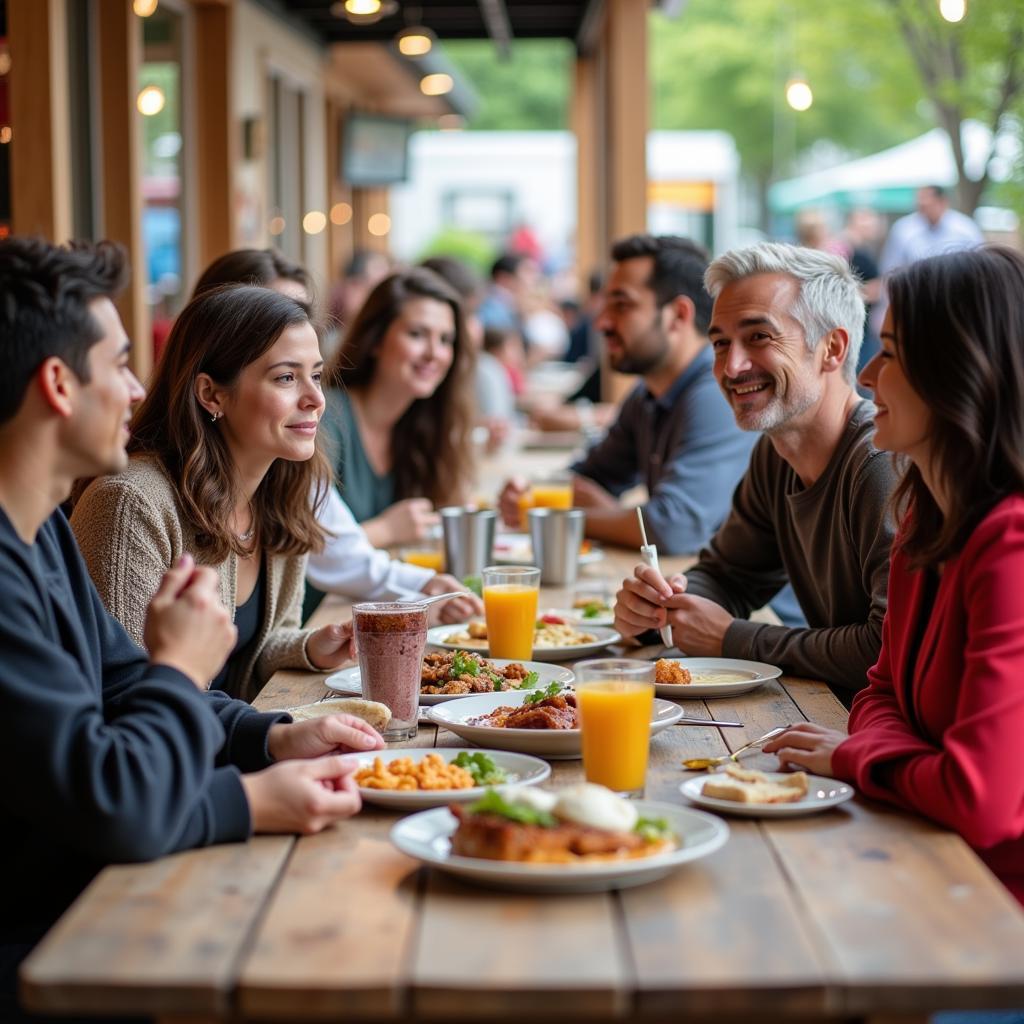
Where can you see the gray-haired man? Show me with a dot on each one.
(812, 508)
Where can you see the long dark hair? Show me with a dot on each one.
(959, 327)
(430, 444)
(220, 333)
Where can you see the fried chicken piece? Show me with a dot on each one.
(478, 630)
(667, 671)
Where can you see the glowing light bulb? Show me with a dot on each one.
(379, 224)
(341, 213)
(314, 222)
(953, 10)
(798, 94)
(436, 85)
(144, 8)
(151, 100)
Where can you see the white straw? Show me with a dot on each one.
(640, 519)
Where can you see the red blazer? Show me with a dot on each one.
(954, 749)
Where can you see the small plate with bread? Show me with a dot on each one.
(753, 794)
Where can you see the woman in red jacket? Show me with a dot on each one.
(940, 728)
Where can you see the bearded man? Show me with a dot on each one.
(674, 434)
(812, 509)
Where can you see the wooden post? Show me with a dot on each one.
(216, 139)
(591, 241)
(119, 55)
(40, 144)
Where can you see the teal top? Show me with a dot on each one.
(365, 492)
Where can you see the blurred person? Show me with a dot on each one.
(113, 754)
(348, 564)
(400, 408)
(938, 729)
(363, 272)
(856, 244)
(582, 341)
(224, 461)
(933, 229)
(495, 402)
(673, 432)
(507, 348)
(812, 230)
(513, 280)
(812, 507)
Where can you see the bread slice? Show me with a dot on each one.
(370, 711)
(746, 786)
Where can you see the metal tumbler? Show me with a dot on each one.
(468, 539)
(556, 535)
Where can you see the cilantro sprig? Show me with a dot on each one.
(492, 802)
(551, 690)
(652, 830)
(464, 664)
(483, 769)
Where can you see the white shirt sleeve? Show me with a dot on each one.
(351, 566)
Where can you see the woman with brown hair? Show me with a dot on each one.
(938, 729)
(224, 463)
(400, 411)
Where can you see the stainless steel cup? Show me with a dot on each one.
(468, 539)
(556, 535)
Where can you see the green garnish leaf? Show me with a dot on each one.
(592, 609)
(532, 680)
(464, 664)
(551, 690)
(483, 769)
(474, 583)
(492, 802)
(652, 830)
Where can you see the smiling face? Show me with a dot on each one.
(631, 319)
(274, 407)
(762, 362)
(902, 420)
(417, 349)
(96, 433)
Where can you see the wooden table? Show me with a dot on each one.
(860, 912)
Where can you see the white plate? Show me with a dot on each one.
(348, 680)
(522, 770)
(822, 794)
(517, 549)
(426, 837)
(558, 744)
(436, 637)
(737, 676)
(574, 616)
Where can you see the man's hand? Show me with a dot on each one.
(405, 522)
(331, 646)
(648, 601)
(302, 796)
(586, 493)
(187, 625)
(508, 501)
(458, 609)
(330, 734)
(807, 746)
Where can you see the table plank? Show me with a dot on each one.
(914, 920)
(157, 938)
(334, 939)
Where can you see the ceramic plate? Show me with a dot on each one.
(574, 616)
(521, 770)
(348, 681)
(516, 549)
(426, 837)
(558, 744)
(437, 637)
(822, 794)
(718, 677)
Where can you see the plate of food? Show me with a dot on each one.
(517, 549)
(543, 721)
(583, 614)
(417, 777)
(710, 677)
(448, 675)
(551, 641)
(582, 838)
(753, 794)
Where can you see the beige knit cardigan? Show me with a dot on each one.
(131, 529)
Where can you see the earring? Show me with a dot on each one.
(214, 417)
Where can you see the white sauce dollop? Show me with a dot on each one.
(596, 806)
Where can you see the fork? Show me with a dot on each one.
(694, 764)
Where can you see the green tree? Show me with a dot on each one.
(530, 91)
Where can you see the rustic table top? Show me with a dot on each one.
(857, 912)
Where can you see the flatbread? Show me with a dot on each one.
(370, 711)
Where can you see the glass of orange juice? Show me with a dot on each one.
(510, 607)
(429, 554)
(551, 492)
(615, 697)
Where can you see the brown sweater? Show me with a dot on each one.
(131, 529)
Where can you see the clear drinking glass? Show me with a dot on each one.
(390, 637)
(510, 607)
(615, 697)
